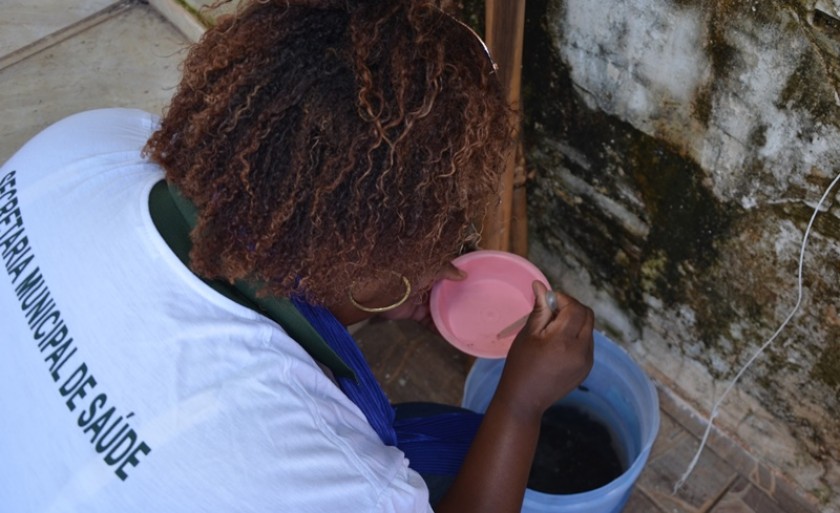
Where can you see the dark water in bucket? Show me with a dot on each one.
(574, 454)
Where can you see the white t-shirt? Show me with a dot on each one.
(127, 384)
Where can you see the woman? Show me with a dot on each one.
(334, 153)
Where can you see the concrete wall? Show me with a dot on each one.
(678, 149)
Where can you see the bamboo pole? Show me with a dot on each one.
(504, 30)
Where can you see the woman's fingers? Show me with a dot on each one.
(571, 317)
(541, 314)
(554, 353)
(568, 315)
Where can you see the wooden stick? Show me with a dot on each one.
(505, 27)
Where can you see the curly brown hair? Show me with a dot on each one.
(326, 141)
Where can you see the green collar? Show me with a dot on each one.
(174, 217)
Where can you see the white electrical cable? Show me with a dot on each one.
(716, 406)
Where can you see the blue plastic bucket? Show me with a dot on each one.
(619, 395)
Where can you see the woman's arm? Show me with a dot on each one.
(548, 359)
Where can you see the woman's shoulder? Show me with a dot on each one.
(112, 124)
(84, 135)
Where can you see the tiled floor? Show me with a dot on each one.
(59, 57)
(112, 54)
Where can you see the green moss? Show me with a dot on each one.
(758, 136)
(803, 91)
(801, 213)
(806, 87)
(823, 493)
(812, 87)
(827, 24)
(827, 368)
(721, 56)
(685, 220)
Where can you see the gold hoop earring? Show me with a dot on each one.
(380, 309)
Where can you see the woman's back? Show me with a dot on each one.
(128, 384)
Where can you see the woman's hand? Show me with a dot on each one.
(551, 355)
(417, 305)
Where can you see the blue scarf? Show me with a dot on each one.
(434, 445)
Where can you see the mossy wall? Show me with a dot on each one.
(679, 148)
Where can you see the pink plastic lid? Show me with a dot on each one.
(496, 292)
